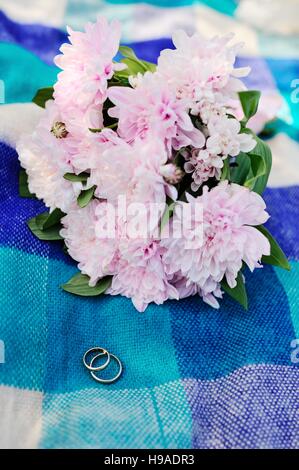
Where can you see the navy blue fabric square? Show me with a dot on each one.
(15, 211)
(283, 207)
(211, 343)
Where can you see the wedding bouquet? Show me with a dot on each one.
(151, 174)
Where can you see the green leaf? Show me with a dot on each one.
(119, 79)
(128, 52)
(262, 150)
(78, 285)
(50, 234)
(23, 185)
(96, 129)
(167, 214)
(239, 173)
(134, 64)
(100, 129)
(258, 169)
(225, 173)
(238, 293)
(85, 196)
(277, 256)
(249, 102)
(65, 249)
(81, 178)
(42, 96)
(149, 66)
(48, 220)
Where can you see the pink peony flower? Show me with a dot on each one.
(141, 274)
(230, 213)
(187, 288)
(97, 256)
(200, 68)
(83, 146)
(45, 158)
(152, 108)
(133, 170)
(87, 64)
(182, 111)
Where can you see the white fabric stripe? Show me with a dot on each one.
(20, 418)
(17, 119)
(143, 22)
(150, 22)
(47, 12)
(140, 22)
(270, 16)
(212, 23)
(285, 166)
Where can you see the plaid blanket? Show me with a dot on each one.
(193, 377)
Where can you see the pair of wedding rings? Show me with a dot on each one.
(90, 358)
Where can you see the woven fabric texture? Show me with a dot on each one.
(193, 377)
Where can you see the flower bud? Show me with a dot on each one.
(171, 173)
(59, 130)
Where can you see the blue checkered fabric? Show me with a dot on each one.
(193, 377)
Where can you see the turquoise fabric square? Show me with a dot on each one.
(23, 73)
(104, 418)
(142, 341)
(290, 282)
(23, 327)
